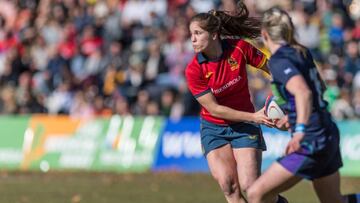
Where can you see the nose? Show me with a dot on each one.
(193, 39)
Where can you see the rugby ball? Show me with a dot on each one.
(272, 109)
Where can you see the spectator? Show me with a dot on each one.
(352, 59)
(356, 30)
(342, 108)
(154, 62)
(140, 106)
(152, 108)
(51, 52)
(8, 101)
(356, 102)
(121, 107)
(81, 108)
(309, 36)
(336, 33)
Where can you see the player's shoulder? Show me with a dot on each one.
(281, 63)
(278, 60)
(193, 66)
(289, 55)
(283, 55)
(194, 62)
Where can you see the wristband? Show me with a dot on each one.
(300, 128)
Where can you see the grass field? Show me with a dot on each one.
(61, 187)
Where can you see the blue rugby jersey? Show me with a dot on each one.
(287, 62)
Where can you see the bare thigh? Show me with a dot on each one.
(328, 188)
(222, 162)
(248, 165)
(275, 180)
(222, 166)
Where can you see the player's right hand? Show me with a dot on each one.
(294, 143)
(259, 117)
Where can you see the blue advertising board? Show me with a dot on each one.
(179, 147)
(276, 142)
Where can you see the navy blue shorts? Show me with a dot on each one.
(238, 135)
(317, 158)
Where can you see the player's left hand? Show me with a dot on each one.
(282, 124)
(294, 143)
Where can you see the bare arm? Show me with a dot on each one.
(303, 100)
(208, 101)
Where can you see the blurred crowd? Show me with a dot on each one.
(90, 58)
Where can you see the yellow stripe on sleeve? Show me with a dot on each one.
(262, 62)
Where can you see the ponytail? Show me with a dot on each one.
(237, 23)
(296, 45)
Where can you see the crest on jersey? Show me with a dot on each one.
(233, 63)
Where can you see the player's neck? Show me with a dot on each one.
(274, 47)
(214, 52)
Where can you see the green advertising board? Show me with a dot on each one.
(122, 144)
(13, 131)
(128, 144)
(72, 148)
(101, 144)
(350, 147)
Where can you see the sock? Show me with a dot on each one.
(281, 199)
(353, 198)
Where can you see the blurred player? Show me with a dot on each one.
(313, 152)
(230, 133)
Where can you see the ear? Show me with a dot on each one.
(264, 34)
(214, 36)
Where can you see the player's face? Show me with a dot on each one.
(200, 38)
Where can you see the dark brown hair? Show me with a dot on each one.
(237, 23)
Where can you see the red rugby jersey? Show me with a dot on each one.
(226, 77)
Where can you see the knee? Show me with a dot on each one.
(254, 194)
(228, 185)
(244, 186)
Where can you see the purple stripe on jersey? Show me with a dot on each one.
(293, 162)
(292, 104)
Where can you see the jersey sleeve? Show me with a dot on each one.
(196, 81)
(254, 56)
(282, 70)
